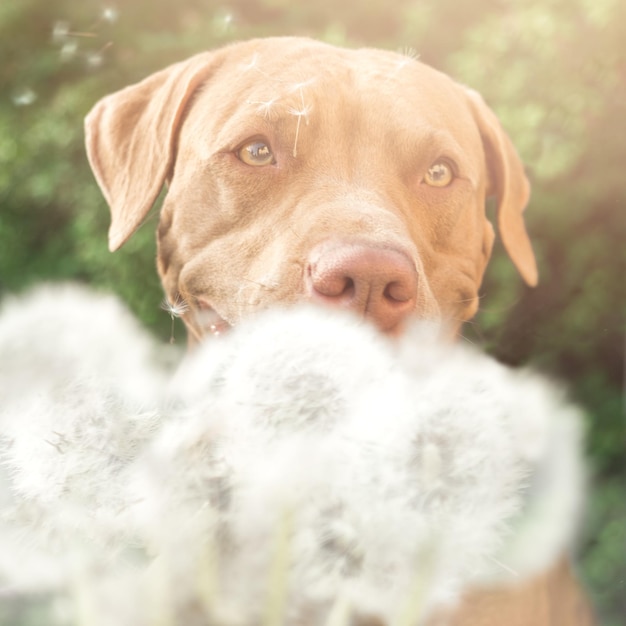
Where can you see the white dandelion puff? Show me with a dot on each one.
(264, 481)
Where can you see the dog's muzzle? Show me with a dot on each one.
(378, 283)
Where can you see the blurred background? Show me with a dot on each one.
(553, 70)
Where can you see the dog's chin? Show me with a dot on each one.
(204, 322)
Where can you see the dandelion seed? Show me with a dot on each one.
(69, 50)
(24, 97)
(252, 65)
(109, 14)
(299, 113)
(175, 309)
(301, 85)
(60, 31)
(223, 22)
(302, 112)
(410, 53)
(264, 107)
(94, 59)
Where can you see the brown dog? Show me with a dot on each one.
(297, 170)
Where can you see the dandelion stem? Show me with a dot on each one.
(340, 613)
(279, 573)
(295, 144)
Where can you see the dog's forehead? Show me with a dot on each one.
(272, 82)
(266, 73)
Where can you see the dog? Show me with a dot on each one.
(299, 171)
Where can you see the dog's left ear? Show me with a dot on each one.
(131, 140)
(508, 182)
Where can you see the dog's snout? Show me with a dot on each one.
(379, 283)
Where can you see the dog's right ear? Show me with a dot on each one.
(131, 140)
(508, 182)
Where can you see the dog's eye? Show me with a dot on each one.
(256, 153)
(439, 174)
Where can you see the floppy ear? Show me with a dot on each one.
(131, 139)
(508, 182)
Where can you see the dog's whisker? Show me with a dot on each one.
(296, 234)
(463, 300)
(467, 340)
(197, 335)
(506, 568)
(256, 282)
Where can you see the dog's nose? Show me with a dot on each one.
(378, 282)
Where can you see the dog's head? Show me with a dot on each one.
(297, 170)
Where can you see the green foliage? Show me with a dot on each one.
(552, 69)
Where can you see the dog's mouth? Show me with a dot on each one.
(207, 321)
(201, 320)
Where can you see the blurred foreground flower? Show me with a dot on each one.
(301, 468)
